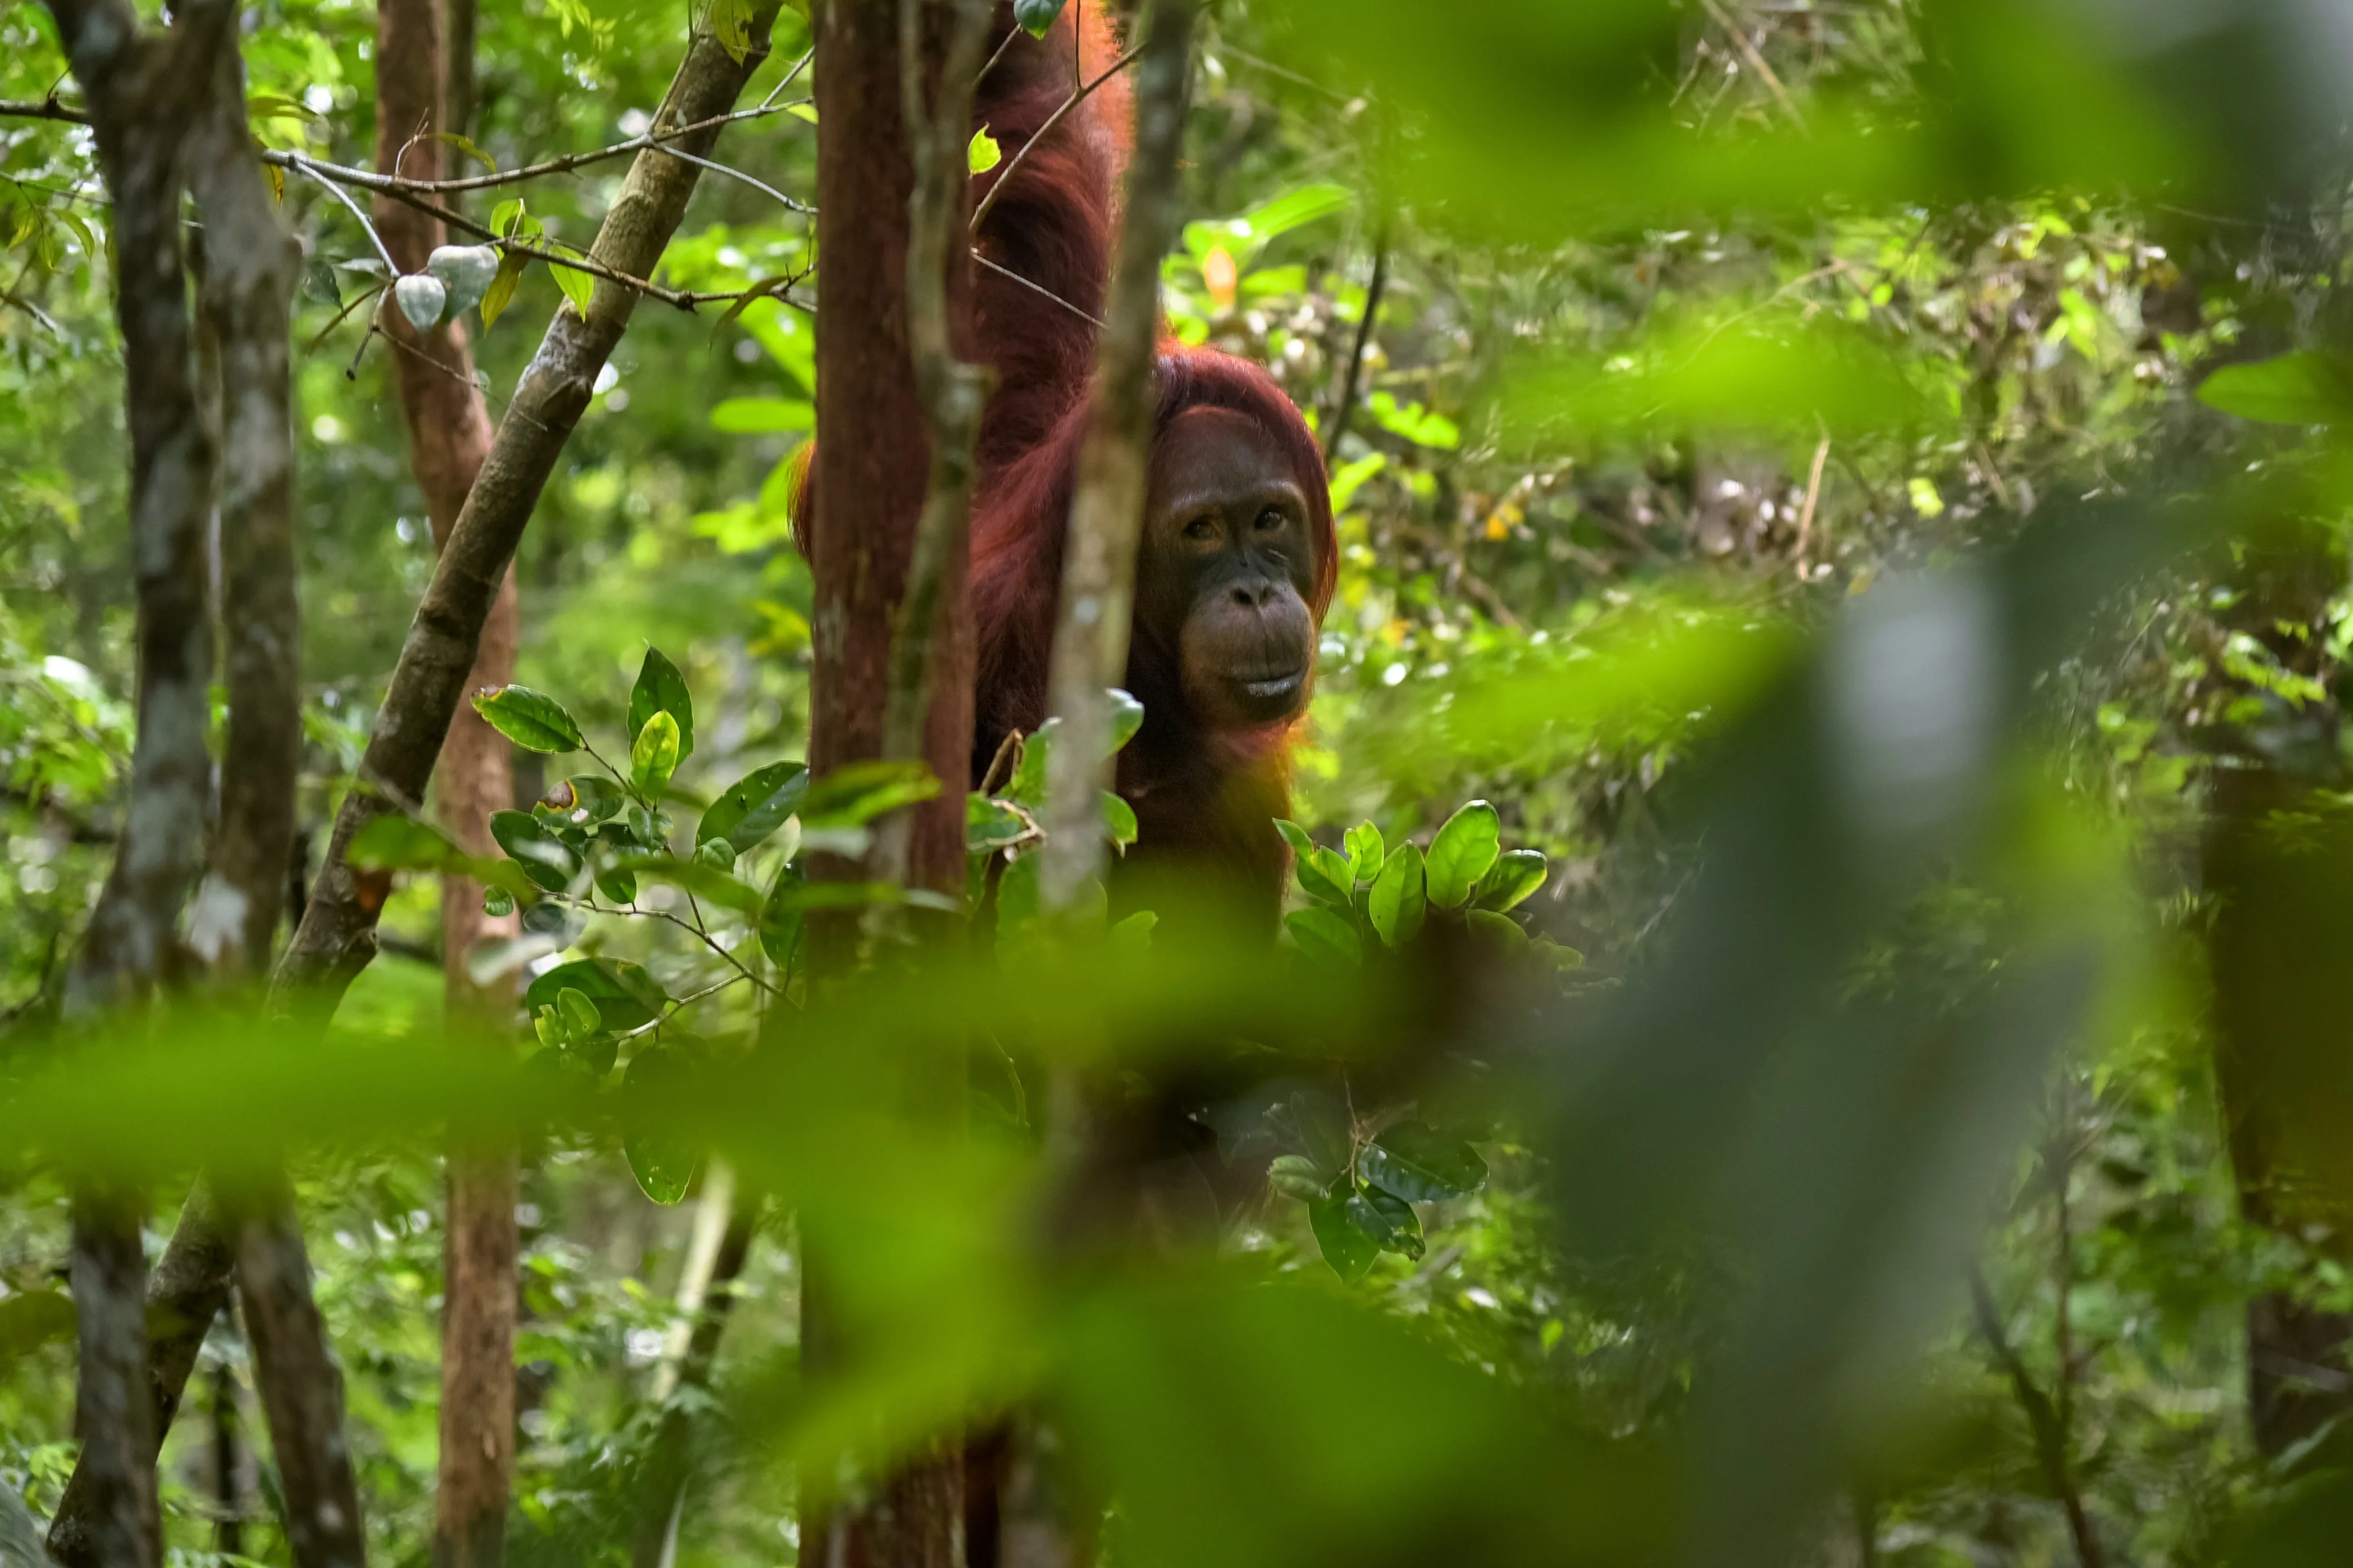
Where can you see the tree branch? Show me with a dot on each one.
(1078, 96)
(2049, 1436)
(1098, 597)
(1344, 406)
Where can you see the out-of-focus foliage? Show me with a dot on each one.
(1849, 487)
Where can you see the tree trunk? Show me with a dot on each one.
(450, 436)
(872, 469)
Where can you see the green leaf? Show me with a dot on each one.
(395, 843)
(1028, 787)
(1399, 899)
(731, 23)
(851, 795)
(545, 859)
(595, 798)
(1036, 16)
(1326, 875)
(1134, 934)
(2301, 388)
(466, 144)
(1512, 879)
(762, 416)
(755, 806)
(1420, 1164)
(654, 757)
(660, 689)
(1119, 821)
(1552, 953)
(618, 886)
(531, 720)
(716, 852)
(1461, 853)
(992, 824)
(1323, 1130)
(1295, 835)
(578, 287)
(501, 291)
(1366, 852)
(1127, 719)
(982, 153)
(578, 1013)
(1328, 937)
(1386, 1220)
(1295, 208)
(663, 1164)
(1347, 1248)
(1499, 930)
(802, 111)
(1295, 1176)
(625, 994)
(498, 903)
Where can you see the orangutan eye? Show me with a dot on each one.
(1200, 528)
(1270, 519)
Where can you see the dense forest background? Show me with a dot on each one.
(1852, 483)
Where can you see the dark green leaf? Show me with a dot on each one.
(1325, 1131)
(1386, 1220)
(625, 994)
(1119, 820)
(1421, 1165)
(1347, 1248)
(660, 689)
(545, 859)
(1036, 16)
(1461, 853)
(1502, 930)
(780, 916)
(1295, 1176)
(755, 806)
(1126, 718)
(531, 720)
(992, 824)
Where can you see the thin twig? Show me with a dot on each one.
(1006, 273)
(799, 66)
(1813, 498)
(1084, 91)
(304, 166)
(1346, 406)
(1757, 63)
(761, 186)
(2050, 1437)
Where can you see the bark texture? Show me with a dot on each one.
(302, 1388)
(449, 437)
(1098, 597)
(123, 1528)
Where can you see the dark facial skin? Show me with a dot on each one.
(1226, 563)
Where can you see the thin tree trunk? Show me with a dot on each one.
(337, 932)
(875, 468)
(1098, 598)
(144, 90)
(449, 437)
(302, 1388)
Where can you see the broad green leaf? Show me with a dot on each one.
(625, 994)
(1461, 853)
(618, 886)
(396, 843)
(1036, 16)
(982, 153)
(654, 757)
(1326, 936)
(498, 903)
(662, 1162)
(1295, 208)
(1399, 899)
(2302, 388)
(715, 853)
(1512, 879)
(660, 689)
(1119, 820)
(1386, 1220)
(1028, 786)
(1322, 1123)
(755, 806)
(501, 291)
(1366, 852)
(1298, 837)
(1502, 930)
(731, 23)
(1324, 876)
(1126, 718)
(531, 720)
(1347, 1249)
(1420, 1164)
(1295, 1176)
(545, 859)
(857, 793)
(762, 416)
(1134, 934)
(595, 798)
(578, 287)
